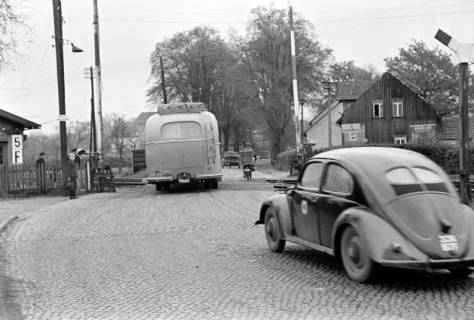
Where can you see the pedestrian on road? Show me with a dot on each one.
(70, 173)
(41, 173)
(77, 162)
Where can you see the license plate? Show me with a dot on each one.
(448, 242)
(183, 180)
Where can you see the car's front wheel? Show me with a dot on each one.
(355, 257)
(272, 232)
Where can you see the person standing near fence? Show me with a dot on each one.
(70, 174)
(77, 162)
(41, 173)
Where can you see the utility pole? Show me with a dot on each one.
(295, 82)
(89, 73)
(58, 39)
(98, 82)
(303, 151)
(163, 85)
(465, 53)
(466, 194)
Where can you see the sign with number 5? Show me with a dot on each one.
(17, 149)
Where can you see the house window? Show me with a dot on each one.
(397, 107)
(377, 109)
(400, 139)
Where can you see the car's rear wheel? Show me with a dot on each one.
(355, 257)
(272, 232)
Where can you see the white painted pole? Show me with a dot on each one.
(296, 106)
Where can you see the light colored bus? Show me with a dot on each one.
(182, 146)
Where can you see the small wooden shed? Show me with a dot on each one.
(12, 128)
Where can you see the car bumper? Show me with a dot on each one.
(171, 179)
(159, 179)
(429, 264)
(209, 177)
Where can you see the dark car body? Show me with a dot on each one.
(373, 207)
(231, 158)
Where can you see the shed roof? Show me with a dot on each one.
(27, 124)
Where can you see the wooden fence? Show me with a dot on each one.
(30, 179)
(36, 179)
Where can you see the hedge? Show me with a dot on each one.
(446, 156)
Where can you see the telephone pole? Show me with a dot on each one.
(89, 73)
(98, 82)
(163, 84)
(58, 39)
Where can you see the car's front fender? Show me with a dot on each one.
(278, 203)
(381, 239)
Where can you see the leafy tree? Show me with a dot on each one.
(235, 101)
(191, 62)
(347, 70)
(266, 52)
(428, 72)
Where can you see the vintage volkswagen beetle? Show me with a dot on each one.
(374, 207)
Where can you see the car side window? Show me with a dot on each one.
(338, 180)
(312, 175)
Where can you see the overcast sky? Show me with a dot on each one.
(366, 31)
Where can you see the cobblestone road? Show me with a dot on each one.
(196, 254)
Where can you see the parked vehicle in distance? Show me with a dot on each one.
(231, 158)
(182, 146)
(374, 207)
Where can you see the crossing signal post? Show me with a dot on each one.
(465, 53)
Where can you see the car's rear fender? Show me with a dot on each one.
(381, 239)
(469, 214)
(279, 204)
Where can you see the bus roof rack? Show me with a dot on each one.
(181, 107)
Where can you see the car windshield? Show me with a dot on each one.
(416, 179)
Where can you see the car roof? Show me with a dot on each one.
(372, 163)
(382, 157)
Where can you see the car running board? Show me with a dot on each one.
(311, 245)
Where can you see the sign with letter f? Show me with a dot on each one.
(17, 148)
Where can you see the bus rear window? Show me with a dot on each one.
(180, 130)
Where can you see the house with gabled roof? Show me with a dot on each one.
(323, 129)
(374, 112)
(389, 112)
(11, 137)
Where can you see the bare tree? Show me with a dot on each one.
(119, 135)
(9, 22)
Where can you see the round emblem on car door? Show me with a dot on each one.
(304, 207)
